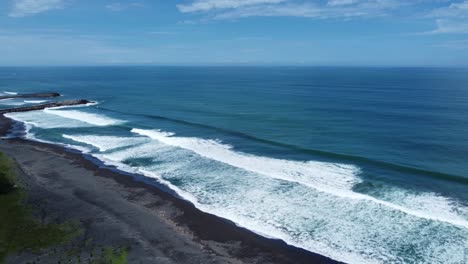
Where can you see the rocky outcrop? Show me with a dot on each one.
(47, 105)
(32, 95)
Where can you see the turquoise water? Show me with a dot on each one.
(364, 165)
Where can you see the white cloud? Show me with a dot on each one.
(23, 8)
(459, 10)
(232, 9)
(340, 2)
(451, 19)
(116, 7)
(207, 5)
(450, 16)
(450, 26)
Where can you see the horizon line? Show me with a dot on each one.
(235, 65)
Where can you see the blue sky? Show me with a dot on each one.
(234, 32)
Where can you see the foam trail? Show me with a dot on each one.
(44, 120)
(326, 176)
(104, 143)
(72, 106)
(31, 136)
(335, 179)
(12, 93)
(93, 119)
(35, 101)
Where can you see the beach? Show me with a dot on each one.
(117, 209)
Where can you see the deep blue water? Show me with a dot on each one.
(359, 164)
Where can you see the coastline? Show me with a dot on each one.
(122, 209)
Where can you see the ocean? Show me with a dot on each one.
(363, 165)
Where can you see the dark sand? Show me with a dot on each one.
(117, 209)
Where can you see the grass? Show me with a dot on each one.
(7, 176)
(114, 256)
(19, 230)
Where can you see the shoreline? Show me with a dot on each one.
(184, 234)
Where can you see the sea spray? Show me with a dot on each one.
(90, 118)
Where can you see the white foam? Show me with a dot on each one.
(42, 119)
(72, 106)
(335, 179)
(104, 143)
(31, 136)
(35, 101)
(93, 119)
(321, 175)
(12, 93)
(148, 150)
(349, 230)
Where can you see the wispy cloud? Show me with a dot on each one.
(451, 19)
(341, 2)
(207, 5)
(450, 26)
(449, 16)
(23, 8)
(232, 9)
(454, 10)
(117, 7)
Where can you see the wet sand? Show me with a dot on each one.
(121, 210)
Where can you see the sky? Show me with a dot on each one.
(234, 32)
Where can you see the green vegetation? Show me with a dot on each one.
(18, 228)
(7, 176)
(113, 256)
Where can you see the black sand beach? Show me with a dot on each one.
(120, 210)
